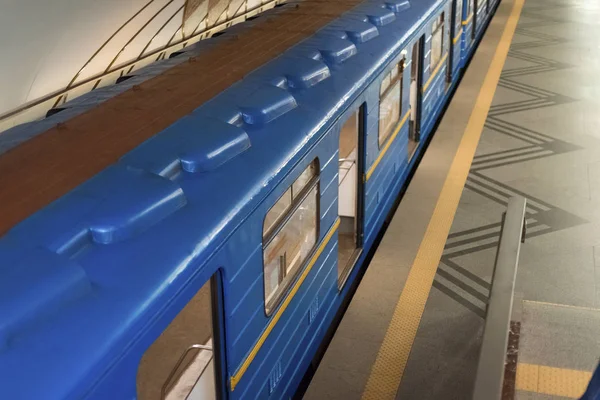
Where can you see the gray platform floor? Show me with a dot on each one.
(541, 140)
(345, 368)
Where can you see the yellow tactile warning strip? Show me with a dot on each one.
(392, 357)
(553, 381)
(527, 377)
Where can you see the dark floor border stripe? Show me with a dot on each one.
(466, 303)
(475, 239)
(503, 164)
(473, 230)
(463, 285)
(449, 263)
(480, 158)
(511, 156)
(516, 136)
(541, 205)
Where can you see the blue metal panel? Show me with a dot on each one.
(288, 333)
(357, 29)
(267, 103)
(191, 202)
(397, 6)
(334, 50)
(376, 14)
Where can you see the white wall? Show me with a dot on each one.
(44, 43)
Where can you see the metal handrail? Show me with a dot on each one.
(140, 30)
(490, 370)
(56, 96)
(164, 25)
(107, 42)
(163, 391)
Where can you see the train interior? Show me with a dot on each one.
(180, 364)
(348, 192)
(415, 84)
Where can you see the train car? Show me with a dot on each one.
(211, 260)
(475, 18)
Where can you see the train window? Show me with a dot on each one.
(385, 84)
(437, 40)
(304, 179)
(285, 202)
(278, 210)
(292, 237)
(180, 364)
(390, 102)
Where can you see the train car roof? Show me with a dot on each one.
(82, 276)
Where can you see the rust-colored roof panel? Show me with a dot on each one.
(46, 167)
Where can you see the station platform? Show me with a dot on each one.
(524, 121)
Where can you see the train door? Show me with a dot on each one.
(350, 190)
(453, 36)
(184, 362)
(478, 12)
(416, 84)
(472, 14)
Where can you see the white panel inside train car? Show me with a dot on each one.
(180, 364)
(349, 241)
(348, 167)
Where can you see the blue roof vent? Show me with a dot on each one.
(336, 50)
(133, 200)
(36, 286)
(279, 81)
(216, 143)
(334, 30)
(358, 31)
(307, 51)
(266, 104)
(379, 16)
(306, 72)
(397, 5)
(195, 143)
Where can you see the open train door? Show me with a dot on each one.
(416, 88)
(350, 193)
(453, 36)
(185, 361)
(471, 13)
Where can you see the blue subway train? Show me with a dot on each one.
(212, 265)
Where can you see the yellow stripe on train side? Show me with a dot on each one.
(457, 38)
(466, 21)
(387, 146)
(435, 72)
(235, 379)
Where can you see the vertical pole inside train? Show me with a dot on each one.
(416, 85)
(185, 361)
(474, 11)
(350, 193)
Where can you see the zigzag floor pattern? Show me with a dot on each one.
(452, 279)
